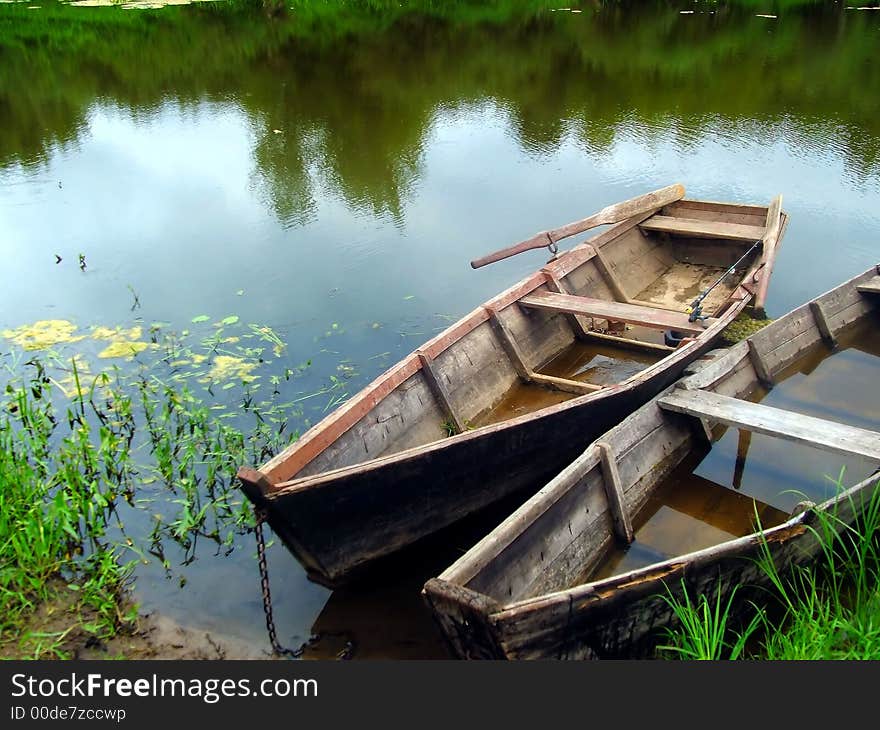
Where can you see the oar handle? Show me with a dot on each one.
(539, 240)
(610, 214)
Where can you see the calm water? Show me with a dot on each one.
(331, 175)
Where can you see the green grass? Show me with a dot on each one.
(54, 512)
(703, 630)
(827, 609)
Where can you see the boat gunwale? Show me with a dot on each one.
(409, 364)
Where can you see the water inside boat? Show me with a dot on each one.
(599, 364)
(716, 493)
(687, 513)
(596, 363)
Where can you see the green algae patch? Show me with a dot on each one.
(123, 342)
(743, 326)
(229, 367)
(116, 334)
(123, 348)
(43, 334)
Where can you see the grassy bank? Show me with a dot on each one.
(101, 470)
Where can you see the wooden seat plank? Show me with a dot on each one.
(817, 432)
(872, 286)
(564, 384)
(616, 311)
(702, 228)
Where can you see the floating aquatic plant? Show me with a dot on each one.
(43, 334)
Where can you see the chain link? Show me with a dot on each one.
(260, 515)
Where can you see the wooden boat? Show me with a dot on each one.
(503, 398)
(540, 585)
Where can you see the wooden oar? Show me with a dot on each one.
(612, 214)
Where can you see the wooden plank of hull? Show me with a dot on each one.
(702, 228)
(571, 259)
(615, 311)
(291, 460)
(816, 432)
(623, 617)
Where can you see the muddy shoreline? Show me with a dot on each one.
(158, 637)
(59, 629)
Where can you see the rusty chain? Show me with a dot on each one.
(260, 515)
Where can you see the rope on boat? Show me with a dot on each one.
(277, 649)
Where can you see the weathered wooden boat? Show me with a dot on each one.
(548, 583)
(503, 398)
